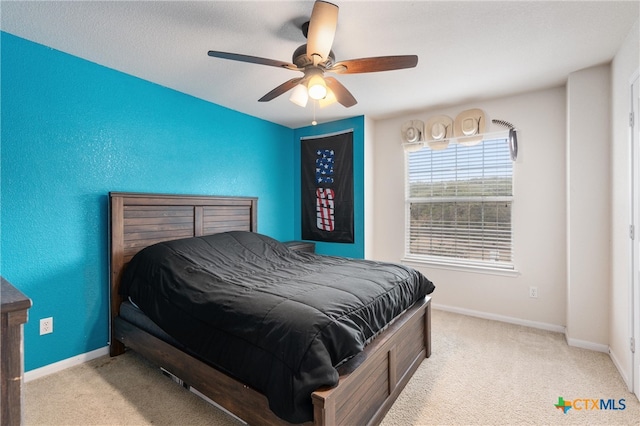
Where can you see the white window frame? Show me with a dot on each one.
(502, 267)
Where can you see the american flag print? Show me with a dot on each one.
(326, 188)
(325, 159)
(325, 209)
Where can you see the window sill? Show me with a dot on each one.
(459, 267)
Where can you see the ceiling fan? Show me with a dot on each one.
(315, 58)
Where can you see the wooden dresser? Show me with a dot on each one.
(12, 316)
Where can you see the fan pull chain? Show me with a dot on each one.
(314, 122)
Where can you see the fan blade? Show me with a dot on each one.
(253, 60)
(322, 29)
(284, 87)
(342, 94)
(380, 63)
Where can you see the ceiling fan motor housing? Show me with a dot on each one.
(301, 60)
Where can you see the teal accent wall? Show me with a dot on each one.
(356, 249)
(71, 132)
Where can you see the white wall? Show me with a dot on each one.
(624, 65)
(557, 248)
(539, 212)
(588, 207)
(369, 187)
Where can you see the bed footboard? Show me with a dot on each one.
(372, 381)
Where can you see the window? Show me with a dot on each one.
(458, 205)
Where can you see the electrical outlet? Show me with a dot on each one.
(533, 292)
(46, 325)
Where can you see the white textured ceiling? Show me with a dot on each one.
(467, 51)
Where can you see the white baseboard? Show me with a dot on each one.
(622, 371)
(64, 364)
(598, 347)
(502, 318)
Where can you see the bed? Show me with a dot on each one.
(367, 383)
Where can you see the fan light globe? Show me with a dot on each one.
(317, 87)
(299, 96)
(329, 99)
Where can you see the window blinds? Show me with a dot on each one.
(458, 203)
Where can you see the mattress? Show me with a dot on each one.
(134, 315)
(275, 319)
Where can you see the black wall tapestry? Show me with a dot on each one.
(327, 188)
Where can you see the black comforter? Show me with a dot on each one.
(276, 319)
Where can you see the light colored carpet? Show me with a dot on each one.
(481, 372)
(485, 372)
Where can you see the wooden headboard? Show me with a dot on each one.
(140, 220)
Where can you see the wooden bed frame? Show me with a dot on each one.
(369, 383)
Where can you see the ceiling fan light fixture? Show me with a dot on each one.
(315, 57)
(299, 95)
(317, 87)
